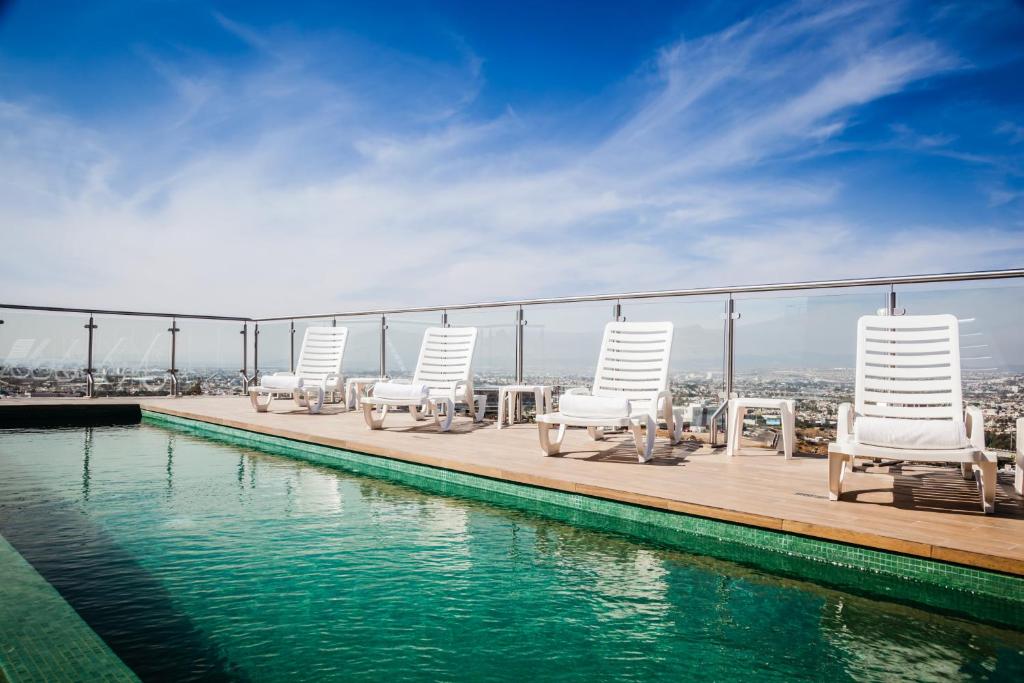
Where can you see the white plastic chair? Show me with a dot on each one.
(317, 372)
(909, 403)
(630, 390)
(443, 378)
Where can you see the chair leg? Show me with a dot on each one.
(481, 407)
(836, 472)
(967, 470)
(1018, 479)
(372, 420)
(670, 423)
(416, 414)
(987, 486)
(549, 406)
(596, 433)
(735, 417)
(502, 398)
(449, 413)
(260, 405)
(643, 431)
(788, 431)
(314, 406)
(547, 445)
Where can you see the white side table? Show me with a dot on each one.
(507, 394)
(357, 387)
(738, 409)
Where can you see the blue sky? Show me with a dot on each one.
(299, 157)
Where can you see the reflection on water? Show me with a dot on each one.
(196, 560)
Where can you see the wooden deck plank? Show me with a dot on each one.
(921, 510)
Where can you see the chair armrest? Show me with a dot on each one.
(844, 423)
(283, 373)
(975, 422)
(577, 391)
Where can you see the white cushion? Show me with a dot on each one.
(393, 391)
(281, 382)
(597, 407)
(923, 435)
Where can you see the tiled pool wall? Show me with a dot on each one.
(42, 638)
(980, 594)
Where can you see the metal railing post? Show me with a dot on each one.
(730, 345)
(173, 371)
(520, 361)
(245, 357)
(256, 353)
(90, 381)
(617, 312)
(383, 346)
(291, 347)
(729, 371)
(444, 318)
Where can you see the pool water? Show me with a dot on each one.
(196, 560)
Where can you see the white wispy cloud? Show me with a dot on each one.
(291, 186)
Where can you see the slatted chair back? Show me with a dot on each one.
(909, 367)
(634, 360)
(323, 349)
(446, 357)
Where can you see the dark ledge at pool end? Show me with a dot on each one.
(68, 413)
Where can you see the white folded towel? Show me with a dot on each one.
(393, 391)
(281, 382)
(598, 407)
(917, 434)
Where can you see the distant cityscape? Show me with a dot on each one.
(818, 392)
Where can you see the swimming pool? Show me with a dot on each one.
(196, 560)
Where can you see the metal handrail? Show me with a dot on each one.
(664, 293)
(139, 314)
(697, 291)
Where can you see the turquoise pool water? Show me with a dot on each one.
(196, 560)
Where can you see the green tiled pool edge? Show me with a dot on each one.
(980, 594)
(42, 638)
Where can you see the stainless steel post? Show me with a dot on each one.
(617, 312)
(291, 347)
(90, 381)
(383, 345)
(444, 318)
(256, 353)
(730, 366)
(245, 357)
(173, 371)
(517, 409)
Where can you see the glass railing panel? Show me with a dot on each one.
(494, 363)
(209, 357)
(991, 347)
(275, 347)
(131, 356)
(696, 368)
(362, 348)
(562, 341)
(801, 347)
(43, 354)
(403, 340)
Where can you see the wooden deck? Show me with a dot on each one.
(916, 510)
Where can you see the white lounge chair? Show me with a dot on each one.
(317, 372)
(443, 378)
(909, 403)
(630, 390)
